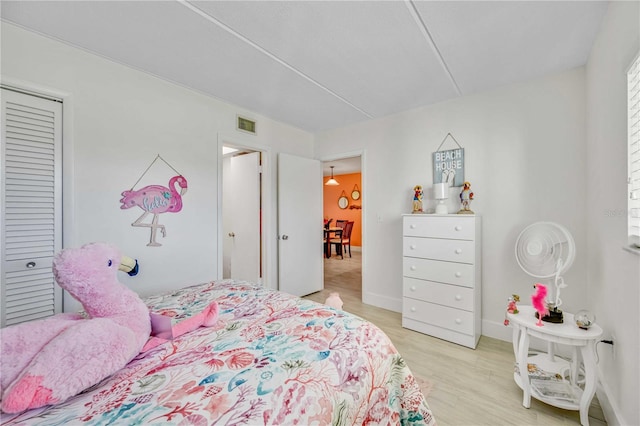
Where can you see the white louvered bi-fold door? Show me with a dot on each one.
(31, 206)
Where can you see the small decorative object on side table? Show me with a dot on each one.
(544, 376)
(584, 319)
(466, 196)
(512, 308)
(417, 199)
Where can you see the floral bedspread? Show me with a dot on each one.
(272, 358)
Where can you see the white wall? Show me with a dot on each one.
(120, 119)
(613, 274)
(525, 156)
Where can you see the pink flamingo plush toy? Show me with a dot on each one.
(47, 361)
(539, 302)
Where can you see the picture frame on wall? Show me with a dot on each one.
(343, 201)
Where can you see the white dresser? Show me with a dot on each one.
(441, 282)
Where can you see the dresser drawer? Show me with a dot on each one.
(435, 270)
(441, 316)
(443, 294)
(454, 227)
(439, 249)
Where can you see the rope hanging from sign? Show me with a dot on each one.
(448, 165)
(445, 139)
(150, 165)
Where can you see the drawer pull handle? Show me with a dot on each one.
(31, 265)
(458, 297)
(413, 309)
(458, 251)
(458, 321)
(412, 246)
(413, 288)
(458, 274)
(412, 226)
(412, 267)
(458, 228)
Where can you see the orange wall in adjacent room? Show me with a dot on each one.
(332, 211)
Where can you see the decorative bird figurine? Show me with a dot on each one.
(539, 302)
(47, 361)
(466, 196)
(155, 199)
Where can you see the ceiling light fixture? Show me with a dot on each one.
(332, 181)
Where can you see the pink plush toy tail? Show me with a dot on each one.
(206, 318)
(334, 300)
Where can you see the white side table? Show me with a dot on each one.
(583, 344)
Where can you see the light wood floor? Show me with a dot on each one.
(470, 387)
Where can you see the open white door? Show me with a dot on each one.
(300, 252)
(244, 200)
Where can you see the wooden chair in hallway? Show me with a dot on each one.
(345, 239)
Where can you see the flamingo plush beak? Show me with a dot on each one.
(128, 265)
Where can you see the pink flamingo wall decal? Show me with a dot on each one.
(155, 199)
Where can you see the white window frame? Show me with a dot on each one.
(633, 157)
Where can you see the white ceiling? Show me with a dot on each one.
(319, 65)
(343, 166)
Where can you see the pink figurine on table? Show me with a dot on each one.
(512, 308)
(539, 303)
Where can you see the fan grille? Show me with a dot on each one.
(544, 249)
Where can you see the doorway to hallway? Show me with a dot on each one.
(242, 218)
(343, 202)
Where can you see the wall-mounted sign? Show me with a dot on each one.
(448, 165)
(155, 200)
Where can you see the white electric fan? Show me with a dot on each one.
(546, 250)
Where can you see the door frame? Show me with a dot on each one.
(243, 142)
(363, 196)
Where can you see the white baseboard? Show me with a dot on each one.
(497, 330)
(383, 302)
(608, 405)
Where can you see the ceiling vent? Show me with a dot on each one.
(246, 125)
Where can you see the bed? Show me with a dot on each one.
(272, 358)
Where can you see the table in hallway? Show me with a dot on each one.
(337, 233)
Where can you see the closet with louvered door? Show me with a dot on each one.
(30, 197)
